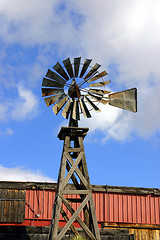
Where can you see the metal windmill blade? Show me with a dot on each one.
(60, 70)
(76, 88)
(85, 66)
(100, 75)
(77, 62)
(68, 66)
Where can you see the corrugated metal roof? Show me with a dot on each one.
(110, 207)
(113, 204)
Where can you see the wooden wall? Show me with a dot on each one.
(140, 231)
(12, 205)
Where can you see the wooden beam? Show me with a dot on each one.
(75, 192)
(66, 218)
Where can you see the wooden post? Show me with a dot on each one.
(73, 161)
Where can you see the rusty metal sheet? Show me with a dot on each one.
(92, 104)
(77, 62)
(55, 76)
(126, 99)
(49, 83)
(99, 91)
(51, 100)
(99, 84)
(66, 110)
(92, 71)
(99, 99)
(58, 106)
(84, 109)
(100, 75)
(50, 91)
(58, 68)
(85, 67)
(68, 66)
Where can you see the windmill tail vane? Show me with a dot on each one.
(77, 88)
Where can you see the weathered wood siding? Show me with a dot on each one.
(140, 231)
(12, 205)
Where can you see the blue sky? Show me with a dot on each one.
(122, 148)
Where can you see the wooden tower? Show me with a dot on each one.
(73, 162)
(71, 90)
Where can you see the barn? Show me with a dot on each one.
(122, 212)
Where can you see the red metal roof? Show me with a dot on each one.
(110, 207)
(113, 204)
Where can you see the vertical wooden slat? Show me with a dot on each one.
(16, 206)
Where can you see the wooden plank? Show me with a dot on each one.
(94, 219)
(6, 205)
(2, 205)
(74, 216)
(15, 206)
(74, 150)
(56, 218)
(58, 200)
(76, 192)
(84, 164)
(21, 206)
(12, 207)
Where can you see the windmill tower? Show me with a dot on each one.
(76, 89)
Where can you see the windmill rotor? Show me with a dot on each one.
(76, 88)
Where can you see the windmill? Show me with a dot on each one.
(75, 89)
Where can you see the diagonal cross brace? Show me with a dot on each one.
(78, 172)
(79, 220)
(71, 171)
(76, 213)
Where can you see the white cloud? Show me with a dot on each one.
(25, 106)
(22, 174)
(125, 33)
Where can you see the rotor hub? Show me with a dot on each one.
(74, 91)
